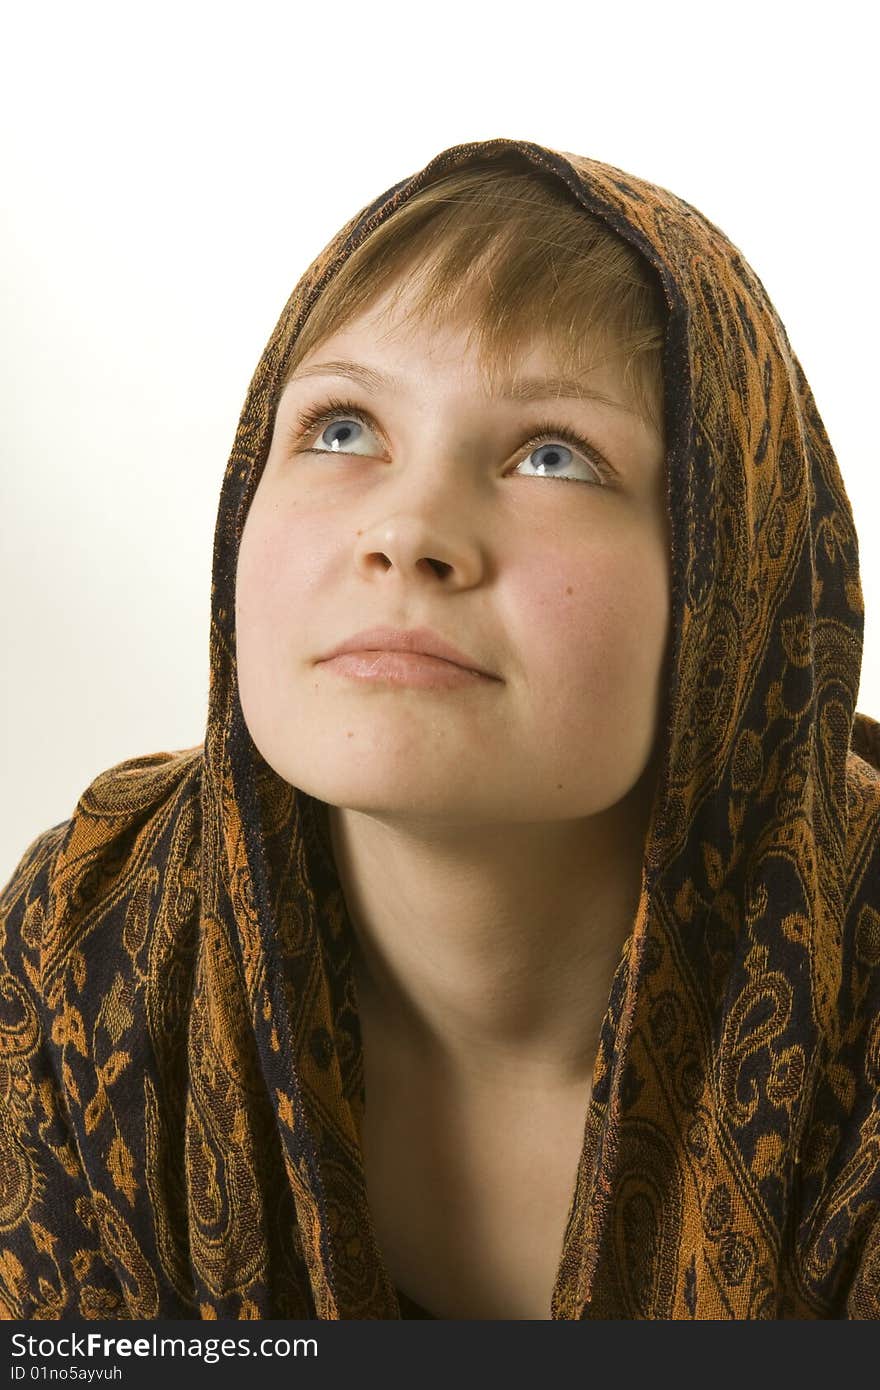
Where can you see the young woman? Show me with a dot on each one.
(510, 947)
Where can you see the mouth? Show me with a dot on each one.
(421, 642)
(395, 668)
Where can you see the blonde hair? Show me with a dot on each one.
(511, 251)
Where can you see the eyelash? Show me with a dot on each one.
(326, 411)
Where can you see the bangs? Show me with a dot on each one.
(510, 256)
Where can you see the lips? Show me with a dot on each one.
(417, 640)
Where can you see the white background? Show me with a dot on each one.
(170, 171)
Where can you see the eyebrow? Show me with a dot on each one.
(514, 389)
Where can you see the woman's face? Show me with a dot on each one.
(432, 512)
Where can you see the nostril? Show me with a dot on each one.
(440, 567)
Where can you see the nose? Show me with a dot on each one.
(415, 540)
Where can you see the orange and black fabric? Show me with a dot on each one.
(181, 1069)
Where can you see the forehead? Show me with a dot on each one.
(388, 347)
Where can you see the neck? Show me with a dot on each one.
(490, 950)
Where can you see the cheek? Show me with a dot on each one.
(278, 563)
(282, 556)
(593, 625)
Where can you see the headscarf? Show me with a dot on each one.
(182, 1073)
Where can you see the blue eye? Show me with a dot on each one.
(554, 459)
(349, 430)
(342, 425)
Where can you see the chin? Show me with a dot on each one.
(381, 797)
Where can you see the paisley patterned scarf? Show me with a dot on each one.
(181, 1073)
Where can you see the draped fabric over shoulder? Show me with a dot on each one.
(181, 1069)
